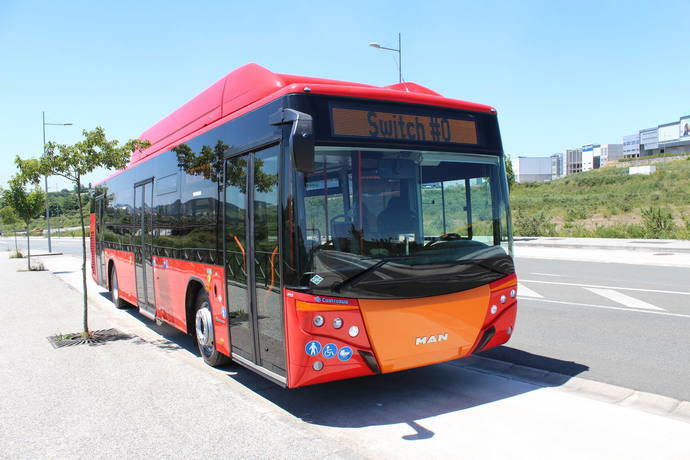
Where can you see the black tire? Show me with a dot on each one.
(115, 291)
(204, 333)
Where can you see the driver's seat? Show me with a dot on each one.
(396, 219)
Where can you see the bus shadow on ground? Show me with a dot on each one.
(406, 397)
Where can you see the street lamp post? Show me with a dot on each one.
(45, 178)
(399, 51)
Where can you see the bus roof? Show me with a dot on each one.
(252, 86)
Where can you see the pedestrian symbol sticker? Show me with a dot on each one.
(313, 348)
(345, 353)
(329, 351)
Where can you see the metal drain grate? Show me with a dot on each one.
(97, 338)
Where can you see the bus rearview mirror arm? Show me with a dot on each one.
(301, 140)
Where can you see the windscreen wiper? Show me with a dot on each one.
(357, 277)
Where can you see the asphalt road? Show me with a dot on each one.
(65, 245)
(622, 324)
(616, 323)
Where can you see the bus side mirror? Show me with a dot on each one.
(301, 141)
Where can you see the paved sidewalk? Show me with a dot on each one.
(153, 397)
(669, 246)
(663, 253)
(137, 398)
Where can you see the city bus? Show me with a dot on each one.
(314, 230)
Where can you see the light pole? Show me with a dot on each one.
(399, 51)
(45, 178)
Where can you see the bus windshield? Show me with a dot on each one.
(402, 223)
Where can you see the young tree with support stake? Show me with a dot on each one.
(73, 162)
(25, 205)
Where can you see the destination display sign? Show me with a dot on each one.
(402, 126)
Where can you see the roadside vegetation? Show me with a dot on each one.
(64, 215)
(607, 203)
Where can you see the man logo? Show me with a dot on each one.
(431, 339)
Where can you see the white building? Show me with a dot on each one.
(591, 155)
(532, 169)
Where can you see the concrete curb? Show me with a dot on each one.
(614, 394)
(602, 247)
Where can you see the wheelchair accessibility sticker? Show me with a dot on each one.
(329, 351)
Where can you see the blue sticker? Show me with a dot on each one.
(329, 351)
(313, 348)
(345, 353)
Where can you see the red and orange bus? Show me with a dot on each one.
(315, 230)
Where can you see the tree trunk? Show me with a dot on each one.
(83, 259)
(16, 246)
(28, 249)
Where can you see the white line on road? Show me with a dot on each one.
(624, 299)
(527, 292)
(608, 307)
(543, 274)
(607, 287)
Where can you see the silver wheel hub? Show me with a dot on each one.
(204, 327)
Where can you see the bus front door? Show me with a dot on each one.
(252, 261)
(143, 257)
(100, 259)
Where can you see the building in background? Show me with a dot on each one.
(589, 153)
(670, 138)
(610, 152)
(649, 140)
(532, 169)
(557, 170)
(573, 161)
(631, 145)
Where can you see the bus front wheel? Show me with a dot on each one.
(203, 330)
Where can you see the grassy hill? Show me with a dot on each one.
(607, 203)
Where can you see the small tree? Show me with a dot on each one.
(9, 218)
(25, 205)
(73, 162)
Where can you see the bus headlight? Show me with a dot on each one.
(318, 320)
(337, 323)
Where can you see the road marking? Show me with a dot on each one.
(608, 307)
(543, 274)
(607, 287)
(527, 292)
(624, 299)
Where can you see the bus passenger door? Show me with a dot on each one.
(143, 258)
(100, 259)
(252, 261)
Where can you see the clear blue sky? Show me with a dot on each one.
(561, 75)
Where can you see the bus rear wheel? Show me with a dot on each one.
(115, 290)
(204, 333)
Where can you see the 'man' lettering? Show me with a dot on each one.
(431, 339)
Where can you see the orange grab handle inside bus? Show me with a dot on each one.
(237, 241)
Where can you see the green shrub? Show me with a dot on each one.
(537, 224)
(576, 213)
(658, 223)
